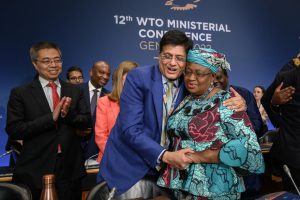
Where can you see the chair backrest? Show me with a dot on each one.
(99, 191)
(269, 136)
(9, 191)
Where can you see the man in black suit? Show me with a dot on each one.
(93, 89)
(45, 114)
(279, 95)
(282, 99)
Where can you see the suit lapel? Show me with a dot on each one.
(39, 95)
(157, 94)
(86, 92)
(181, 94)
(63, 89)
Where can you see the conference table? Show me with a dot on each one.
(6, 173)
(89, 181)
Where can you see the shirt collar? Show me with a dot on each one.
(45, 82)
(91, 87)
(165, 80)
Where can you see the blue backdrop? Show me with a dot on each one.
(258, 37)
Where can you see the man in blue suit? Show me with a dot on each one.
(134, 150)
(99, 73)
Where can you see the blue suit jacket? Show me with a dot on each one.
(88, 144)
(134, 143)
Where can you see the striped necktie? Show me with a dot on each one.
(168, 98)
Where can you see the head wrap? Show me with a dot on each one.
(208, 58)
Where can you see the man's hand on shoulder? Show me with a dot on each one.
(236, 103)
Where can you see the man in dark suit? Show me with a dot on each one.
(284, 92)
(93, 89)
(278, 95)
(45, 114)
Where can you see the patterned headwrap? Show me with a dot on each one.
(208, 58)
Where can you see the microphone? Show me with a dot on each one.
(112, 193)
(287, 171)
(12, 149)
(87, 166)
(6, 153)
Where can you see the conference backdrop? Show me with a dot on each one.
(257, 37)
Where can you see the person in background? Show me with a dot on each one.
(44, 114)
(278, 95)
(74, 75)
(221, 142)
(108, 107)
(93, 89)
(282, 98)
(258, 92)
(137, 142)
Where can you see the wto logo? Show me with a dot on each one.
(184, 7)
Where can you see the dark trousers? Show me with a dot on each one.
(66, 189)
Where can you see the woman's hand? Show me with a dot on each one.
(206, 156)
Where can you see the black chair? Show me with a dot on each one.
(100, 192)
(9, 191)
(269, 136)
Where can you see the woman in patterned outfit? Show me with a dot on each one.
(223, 142)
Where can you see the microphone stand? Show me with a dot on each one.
(111, 194)
(287, 171)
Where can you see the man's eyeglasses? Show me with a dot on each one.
(197, 73)
(74, 78)
(49, 61)
(169, 57)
